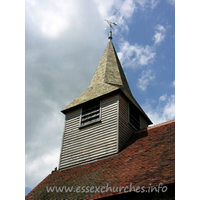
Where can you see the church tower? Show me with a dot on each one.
(101, 120)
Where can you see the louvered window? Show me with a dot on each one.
(134, 117)
(90, 114)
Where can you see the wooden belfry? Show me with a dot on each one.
(101, 120)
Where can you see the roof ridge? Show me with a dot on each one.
(156, 125)
(161, 124)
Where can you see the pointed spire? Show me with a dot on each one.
(109, 70)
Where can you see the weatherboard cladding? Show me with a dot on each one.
(148, 158)
(125, 129)
(143, 123)
(81, 145)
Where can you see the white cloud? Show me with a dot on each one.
(142, 3)
(172, 2)
(105, 7)
(38, 168)
(160, 28)
(127, 8)
(121, 11)
(51, 18)
(117, 11)
(169, 109)
(158, 37)
(154, 3)
(147, 3)
(54, 54)
(173, 83)
(145, 79)
(163, 97)
(164, 111)
(159, 34)
(135, 55)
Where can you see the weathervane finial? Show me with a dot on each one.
(111, 27)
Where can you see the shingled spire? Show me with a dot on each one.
(108, 77)
(109, 70)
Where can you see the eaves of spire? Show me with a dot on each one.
(108, 77)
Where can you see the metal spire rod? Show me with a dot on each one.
(110, 35)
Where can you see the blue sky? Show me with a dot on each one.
(64, 43)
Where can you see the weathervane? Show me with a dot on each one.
(111, 27)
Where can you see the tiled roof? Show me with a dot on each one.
(146, 159)
(108, 77)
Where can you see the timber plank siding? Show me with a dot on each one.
(81, 145)
(143, 123)
(104, 138)
(125, 129)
